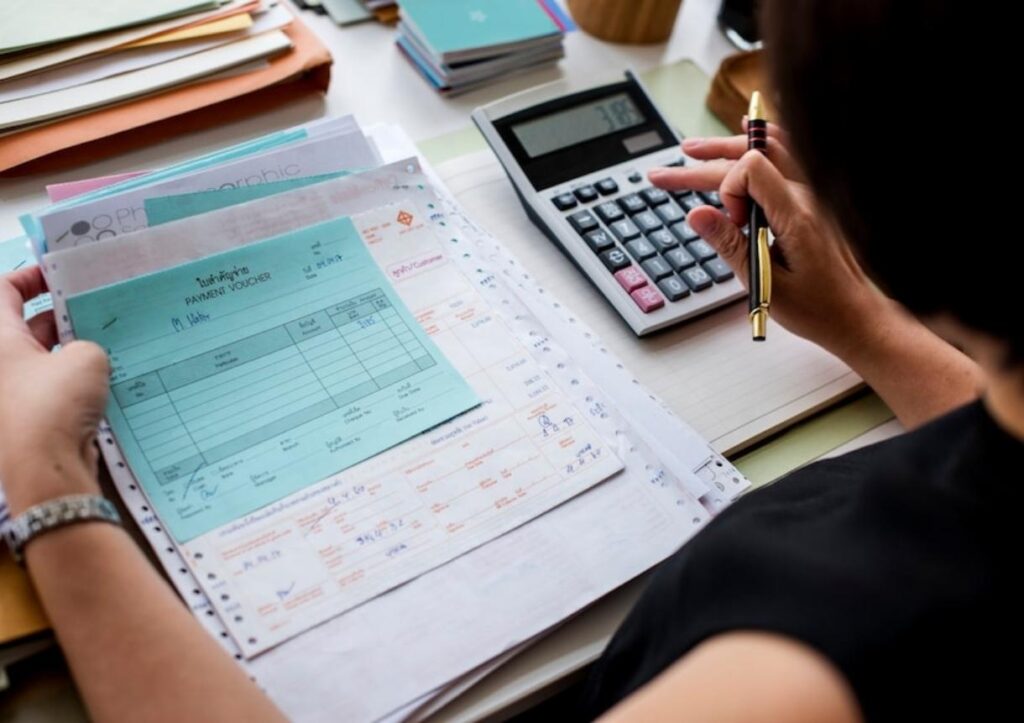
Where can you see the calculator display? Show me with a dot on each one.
(566, 128)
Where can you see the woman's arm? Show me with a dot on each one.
(819, 289)
(135, 651)
(744, 677)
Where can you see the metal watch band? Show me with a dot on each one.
(57, 513)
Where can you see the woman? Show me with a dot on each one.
(865, 588)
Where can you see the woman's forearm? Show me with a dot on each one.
(918, 374)
(135, 651)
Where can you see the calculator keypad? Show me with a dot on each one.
(643, 239)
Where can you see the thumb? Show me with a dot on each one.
(723, 236)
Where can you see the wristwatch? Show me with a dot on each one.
(54, 514)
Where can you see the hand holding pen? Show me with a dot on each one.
(758, 254)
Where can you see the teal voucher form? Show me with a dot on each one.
(246, 376)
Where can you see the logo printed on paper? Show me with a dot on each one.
(405, 218)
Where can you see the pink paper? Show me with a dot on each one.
(70, 189)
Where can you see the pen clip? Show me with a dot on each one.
(765, 267)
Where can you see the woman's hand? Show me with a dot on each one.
(818, 289)
(50, 403)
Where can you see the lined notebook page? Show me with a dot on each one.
(702, 369)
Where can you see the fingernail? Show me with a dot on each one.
(704, 224)
(693, 143)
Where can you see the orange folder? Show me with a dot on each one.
(305, 68)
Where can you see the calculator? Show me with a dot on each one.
(578, 158)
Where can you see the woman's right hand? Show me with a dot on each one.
(818, 289)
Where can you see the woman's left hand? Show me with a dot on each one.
(51, 404)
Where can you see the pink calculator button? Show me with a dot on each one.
(647, 299)
(631, 278)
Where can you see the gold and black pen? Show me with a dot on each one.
(759, 254)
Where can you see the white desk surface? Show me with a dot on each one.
(372, 80)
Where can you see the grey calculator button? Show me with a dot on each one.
(663, 240)
(615, 259)
(564, 201)
(718, 270)
(684, 232)
(712, 197)
(691, 202)
(632, 204)
(680, 259)
(670, 213)
(654, 196)
(599, 241)
(606, 186)
(609, 211)
(656, 267)
(583, 221)
(674, 288)
(586, 194)
(641, 249)
(625, 230)
(697, 278)
(701, 249)
(647, 221)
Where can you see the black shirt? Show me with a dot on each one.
(893, 561)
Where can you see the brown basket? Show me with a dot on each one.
(736, 80)
(626, 21)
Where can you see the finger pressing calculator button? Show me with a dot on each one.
(585, 194)
(564, 201)
(656, 267)
(632, 204)
(697, 278)
(647, 221)
(701, 249)
(691, 201)
(583, 222)
(662, 239)
(630, 278)
(615, 259)
(648, 299)
(606, 186)
(654, 196)
(599, 241)
(670, 213)
(718, 270)
(609, 211)
(674, 288)
(684, 232)
(625, 230)
(680, 259)
(641, 249)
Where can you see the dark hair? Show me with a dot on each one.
(888, 113)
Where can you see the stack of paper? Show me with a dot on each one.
(458, 46)
(351, 12)
(358, 452)
(64, 63)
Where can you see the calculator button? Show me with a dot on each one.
(678, 162)
(718, 270)
(635, 178)
(632, 204)
(625, 230)
(609, 211)
(680, 259)
(712, 197)
(648, 299)
(656, 268)
(701, 249)
(583, 221)
(630, 278)
(585, 194)
(606, 186)
(615, 259)
(599, 241)
(641, 249)
(684, 232)
(670, 213)
(564, 201)
(654, 196)
(647, 221)
(691, 201)
(662, 239)
(697, 278)
(674, 288)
